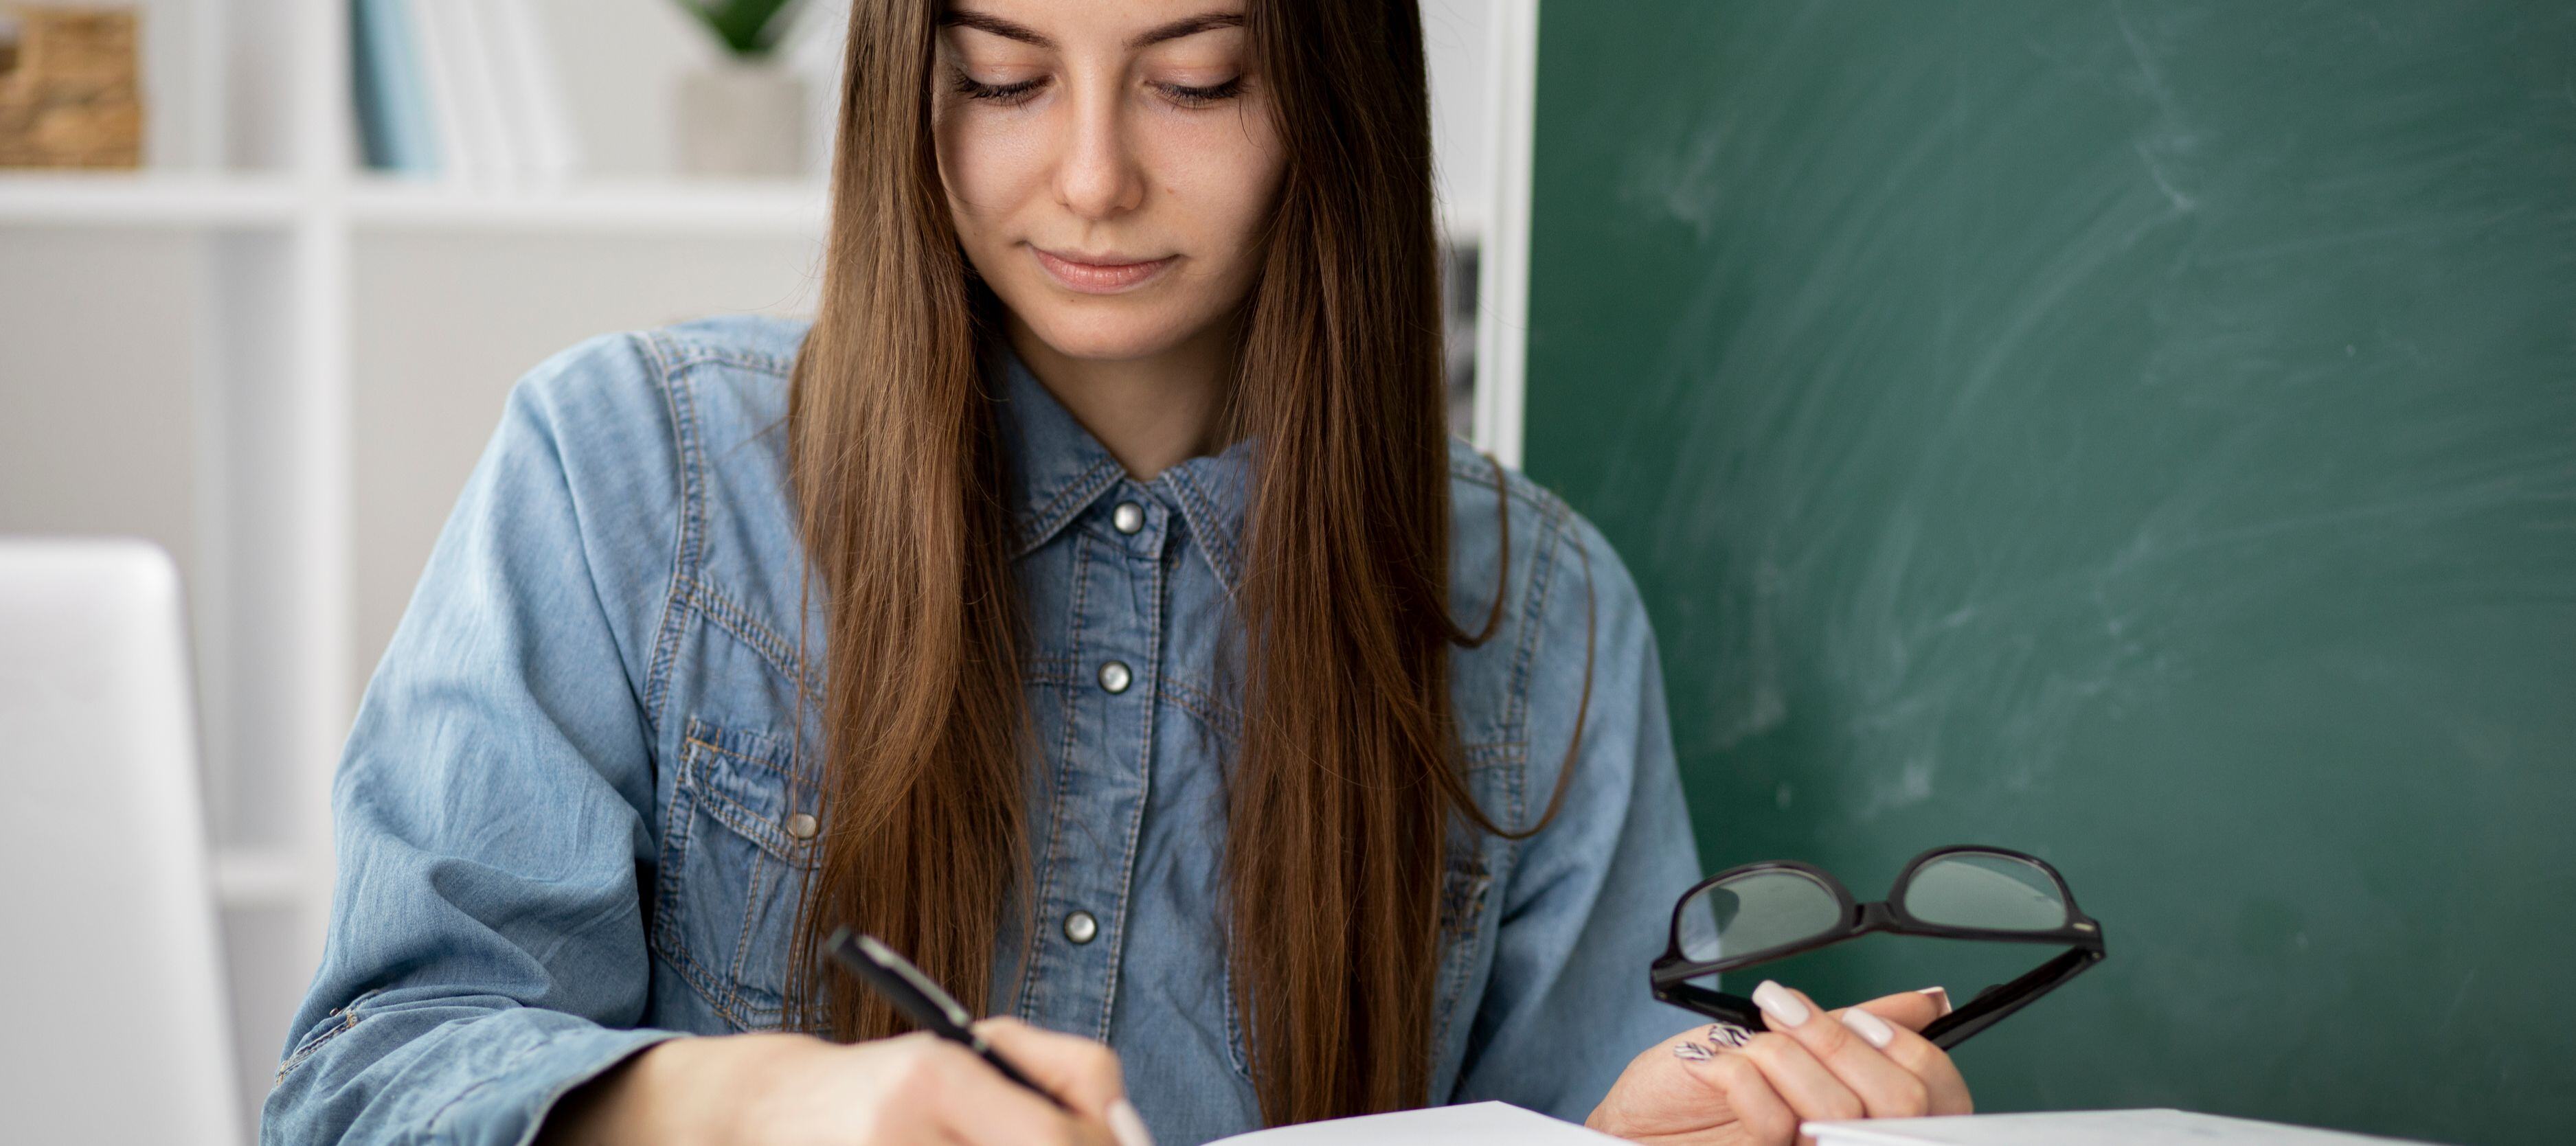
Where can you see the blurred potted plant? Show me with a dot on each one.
(745, 114)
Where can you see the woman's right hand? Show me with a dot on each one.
(797, 1090)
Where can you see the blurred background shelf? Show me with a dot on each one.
(248, 202)
(148, 199)
(772, 207)
(784, 208)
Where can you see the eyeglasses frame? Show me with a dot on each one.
(1671, 973)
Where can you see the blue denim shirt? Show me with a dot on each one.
(570, 815)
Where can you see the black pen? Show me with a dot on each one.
(920, 1000)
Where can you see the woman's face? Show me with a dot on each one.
(1108, 165)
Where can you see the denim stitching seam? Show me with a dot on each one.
(1052, 670)
(1030, 979)
(671, 942)
(348, 1018)
(759, 832)
(1202, 515)
(429, 1126)
(742, 935)
(687, 353)
(1080, 490)
(1458, 936)
(787, 770)
(1520, 488)
(1545, 562)
(1144, 796)
(761, 639)
(674, 852)
(685, 561)
(1212, 714)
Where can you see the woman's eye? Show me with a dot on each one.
(1208, 96)
(1005, 94)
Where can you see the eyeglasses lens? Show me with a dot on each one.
(1755, 912)
(1988, 891)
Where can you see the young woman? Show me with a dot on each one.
(1089, 604)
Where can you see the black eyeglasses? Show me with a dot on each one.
(1764, 911)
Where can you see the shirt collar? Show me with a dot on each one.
(1061, 471)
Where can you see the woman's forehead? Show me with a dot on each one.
(1060, 24)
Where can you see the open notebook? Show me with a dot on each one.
(1482, 1123)
(2091, 1127)
(1500, 1124)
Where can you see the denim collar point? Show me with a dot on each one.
(1061, 470)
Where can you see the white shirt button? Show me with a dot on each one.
(1128, 517)
(801, 826)
(1114, 677)
(1081, 927)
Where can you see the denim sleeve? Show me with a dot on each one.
(486, 950)
(1566, 1005)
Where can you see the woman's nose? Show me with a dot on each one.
(1098, 177)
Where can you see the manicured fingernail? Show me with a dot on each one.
(1775, 1000)
(1693, 1052)
(1939, 995)
(1870, 1027)
(1127, 1125)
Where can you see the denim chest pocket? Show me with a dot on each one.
(738, 839)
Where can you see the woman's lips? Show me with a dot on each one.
(1100, 277)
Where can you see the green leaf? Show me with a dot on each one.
(748, 28)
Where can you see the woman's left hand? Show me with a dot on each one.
(1813, 1065)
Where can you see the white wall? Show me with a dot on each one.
(446, 323)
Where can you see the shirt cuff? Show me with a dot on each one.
(508, 1105)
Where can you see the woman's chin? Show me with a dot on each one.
(1107, 338)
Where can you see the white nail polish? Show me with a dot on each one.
(1939, 995)
(1870, 1027)
(1127, 1125)
(1783, 1007)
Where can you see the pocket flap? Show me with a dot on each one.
(750, 782)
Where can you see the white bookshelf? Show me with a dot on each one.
(366, 203)
(212, 202)
(257, 176)
(788, 208)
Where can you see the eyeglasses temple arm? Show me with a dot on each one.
(1718, 1005)
(1990, 1008)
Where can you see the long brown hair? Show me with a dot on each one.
(1345, 779)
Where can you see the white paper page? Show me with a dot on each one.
(2093, 1127)
(1479, 1124)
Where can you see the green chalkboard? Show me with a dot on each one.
(2141, 433)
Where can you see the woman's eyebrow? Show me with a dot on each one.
(1186, 26)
